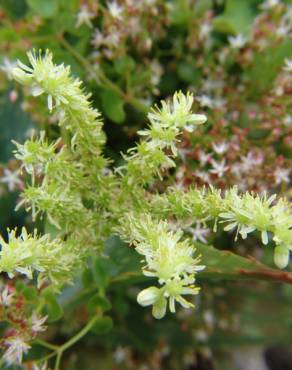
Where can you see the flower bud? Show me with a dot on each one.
(148, 296)
(159, 308)
(198, 119)
(281, 256)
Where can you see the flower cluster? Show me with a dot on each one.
(183, 184)
(248, 139)
(87, 202)
(129, 24)
(166, 257)
(24, 324)
(245, 212)
(28, 253)
(150, 157)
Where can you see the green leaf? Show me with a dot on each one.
(103, 325)
(124, 64)
(237, 17)
(267, 65)
(223, 264)
(113, 106)
(29, 292)
(51, 229)
(14, 124)
(187, 72)
(259, 134)
(96, 303)
(46, 8)
(100, 273)
(123, 257)
(87, 278)
(201, 6)
(181, 13)
(15, 8)
(52, 307)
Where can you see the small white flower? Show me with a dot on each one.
(156, 72)
(199, 233)
(204, 176)
(219, 168)
(84, 16)
(236, 169)
(246, 163)
(40, 367)
(283, 30)
(211, 85)
(219, 103)
(11, 179)
(209, 318)
(120, 355)
(15, 351)
(112, 40)
(205, 30)
(288, 65)
(249, 161)
(201, 335)
(97, 39)
(183, 155)
(278, 90)
(7, 67)
(220, 148)
(115, 9)
(288, 120)
(6, 297)
(269, 4)
(204, 158)
(238, 41)
(282, 175)
(205, 101)
(37, 323)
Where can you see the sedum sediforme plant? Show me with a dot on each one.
(79, 192)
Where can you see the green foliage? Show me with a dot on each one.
(14, 125)
(113, 106)
(45, 8)
(236, 19)
(66, 192)
(267, 66)
(52, 307)
(116, 229)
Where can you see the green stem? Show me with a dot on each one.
(46, 344)
(58, 360)
(73, 340)
(59, 350)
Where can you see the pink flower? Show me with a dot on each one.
(15, 351)
(204, 158)
(219, 168)
(282, 175)
(37, 323)
(6, 296)
(220, 148)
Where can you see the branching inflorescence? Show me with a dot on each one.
(73, 186)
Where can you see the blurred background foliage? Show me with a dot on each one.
(235, 56)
